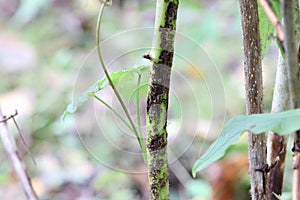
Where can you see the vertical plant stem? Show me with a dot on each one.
(291, 21)
(138, 104)
(254, 95)
(158, 96)
(103, 4)
(276, 144)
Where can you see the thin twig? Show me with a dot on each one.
(296, 174)
(114, 111)
(105, 3)
(23, 140)
(273, 19)
(10, 146)
(5, 119)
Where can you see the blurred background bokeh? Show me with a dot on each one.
(47, 58)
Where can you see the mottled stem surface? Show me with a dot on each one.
(158, 96)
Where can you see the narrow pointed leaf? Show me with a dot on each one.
(281, 123)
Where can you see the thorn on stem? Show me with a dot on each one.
(148, 57)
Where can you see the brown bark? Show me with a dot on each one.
(275, 176)
(254, 95)
(276, 145)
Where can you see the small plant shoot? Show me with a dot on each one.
(100, 85)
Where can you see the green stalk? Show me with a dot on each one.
(115, 112)
(140, 139)
(158, 96)
(138, 105)
(291, 21)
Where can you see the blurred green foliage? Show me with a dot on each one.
(47, 58)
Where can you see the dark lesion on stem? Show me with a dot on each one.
(157, 143)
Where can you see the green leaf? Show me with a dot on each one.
(265, 26)
(281, 123)
(279, 197)
(116, 77)
(265, 30)
(275, 4)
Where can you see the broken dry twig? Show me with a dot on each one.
(12, 150)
